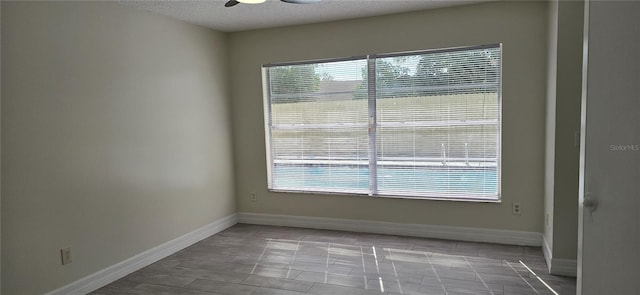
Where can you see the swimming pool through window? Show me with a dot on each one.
(416, 125)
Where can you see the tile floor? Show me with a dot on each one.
(261, 260)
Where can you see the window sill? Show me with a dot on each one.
(434, 198)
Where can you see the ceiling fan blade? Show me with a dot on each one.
(231, 3)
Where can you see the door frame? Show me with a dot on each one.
(583, 133)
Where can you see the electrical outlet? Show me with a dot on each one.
(253, 197)
(516, 208)
(65, 255)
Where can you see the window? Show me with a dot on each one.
(414, 125)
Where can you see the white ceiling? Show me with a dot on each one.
(274, 13)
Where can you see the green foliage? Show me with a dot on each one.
(459, 68)
(393, 79)
(473, 71)
(293, 83)
(362, 88)
(326, 77)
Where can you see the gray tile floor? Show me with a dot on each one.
(261, 260)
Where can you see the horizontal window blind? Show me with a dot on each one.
(419, 125)
(438, 123)
(318, 130)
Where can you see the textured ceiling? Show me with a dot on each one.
(274, 13)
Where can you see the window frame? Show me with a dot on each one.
(371, 61)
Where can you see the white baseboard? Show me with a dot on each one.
(110, 274)
(558, 266)
(416, 230)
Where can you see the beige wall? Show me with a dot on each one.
(520, 26)
(115, 137)
(550, 129)
(567, 154)
(564, 88)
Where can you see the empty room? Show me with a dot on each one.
(319, 147)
